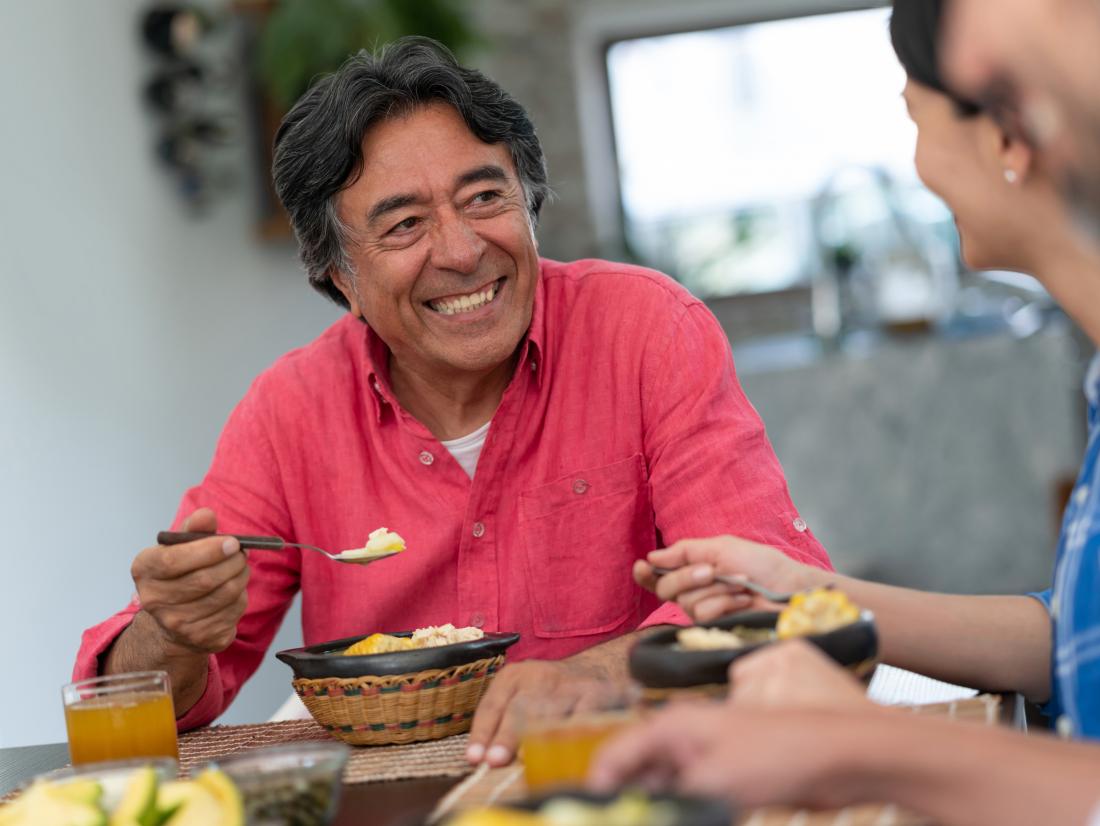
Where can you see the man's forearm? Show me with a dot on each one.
(990, 642)
(141, 647)
(961, 774)
(608, 660)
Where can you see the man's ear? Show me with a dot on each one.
(346, 285)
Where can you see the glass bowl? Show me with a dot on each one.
(296, 784)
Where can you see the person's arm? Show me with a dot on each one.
(964, 774)
(711, 467)
(206, 613)
(993, 643)
(957, 773)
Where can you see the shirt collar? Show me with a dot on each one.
(1092, 390)
(530, 358)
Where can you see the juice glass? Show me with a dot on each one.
(559, 753)
(119, 717)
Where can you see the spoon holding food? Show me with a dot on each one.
(381, 544)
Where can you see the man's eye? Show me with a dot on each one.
(406, 225)
(486, 197)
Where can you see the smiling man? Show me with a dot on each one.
(530, 427)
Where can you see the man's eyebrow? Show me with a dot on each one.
(488, 172)
(390, 204)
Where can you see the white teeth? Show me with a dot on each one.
(465, 303)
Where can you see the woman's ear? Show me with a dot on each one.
(346, 285)
(1016, 157)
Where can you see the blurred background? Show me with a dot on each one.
(929, 419)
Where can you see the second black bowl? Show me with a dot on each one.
(658, 662)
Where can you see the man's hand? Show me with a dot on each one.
(591, 681)
(696, 561)
(794, 674)
(196, 592)
(530, 690)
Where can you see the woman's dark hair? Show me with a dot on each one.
(915, 31)
(318, 148)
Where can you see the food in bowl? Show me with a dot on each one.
(379, 543)
(815, 612)
(626, 810)
(431, 636)
(700, 638)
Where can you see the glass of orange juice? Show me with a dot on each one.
(119, 717)
(558, 742)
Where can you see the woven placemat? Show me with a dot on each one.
(486, 787)
(367, 764)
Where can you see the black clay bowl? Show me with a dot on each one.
(658, 662)
(327, 659)
(690, 811)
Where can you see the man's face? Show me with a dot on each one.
(442, 244)
(1041, 59)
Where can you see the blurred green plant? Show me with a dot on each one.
(303, 39)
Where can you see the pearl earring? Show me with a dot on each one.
(1010, 176)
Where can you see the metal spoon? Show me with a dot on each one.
(739, 582)
(267, 543)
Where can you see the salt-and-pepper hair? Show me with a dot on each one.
(318, 148)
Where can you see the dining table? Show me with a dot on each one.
(390, 803)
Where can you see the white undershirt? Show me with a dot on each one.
(467, 449)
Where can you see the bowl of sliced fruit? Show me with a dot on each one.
(399, 687)
(126, 792)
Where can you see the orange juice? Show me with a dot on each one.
(121, 726)
(560, 754)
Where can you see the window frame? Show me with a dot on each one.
(598, 27)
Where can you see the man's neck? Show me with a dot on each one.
(453, 405)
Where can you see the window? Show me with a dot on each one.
(753, 157)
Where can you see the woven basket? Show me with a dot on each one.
(401, 708)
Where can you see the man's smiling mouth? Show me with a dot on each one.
(458, 304)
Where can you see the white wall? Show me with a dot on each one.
(127, 333)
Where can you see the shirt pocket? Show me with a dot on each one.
(581, 535)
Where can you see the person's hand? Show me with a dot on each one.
(748, 756)
(694, 562)
(793, 674)
(525, 691)
(196, 592)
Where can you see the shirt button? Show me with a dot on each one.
(477, 619)
(1064, 726)
(580, 486)
(378, 388)
(534, 366)
(1081, 494)
(426, 458)
(1054, 607)
(800, 525)
(479, 530)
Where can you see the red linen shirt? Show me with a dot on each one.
(623, 429)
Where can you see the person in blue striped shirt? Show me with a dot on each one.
(798, 730)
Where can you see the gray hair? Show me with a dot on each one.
(318, 148)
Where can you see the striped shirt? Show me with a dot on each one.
(1074, 601)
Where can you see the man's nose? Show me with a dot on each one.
(456, 246)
